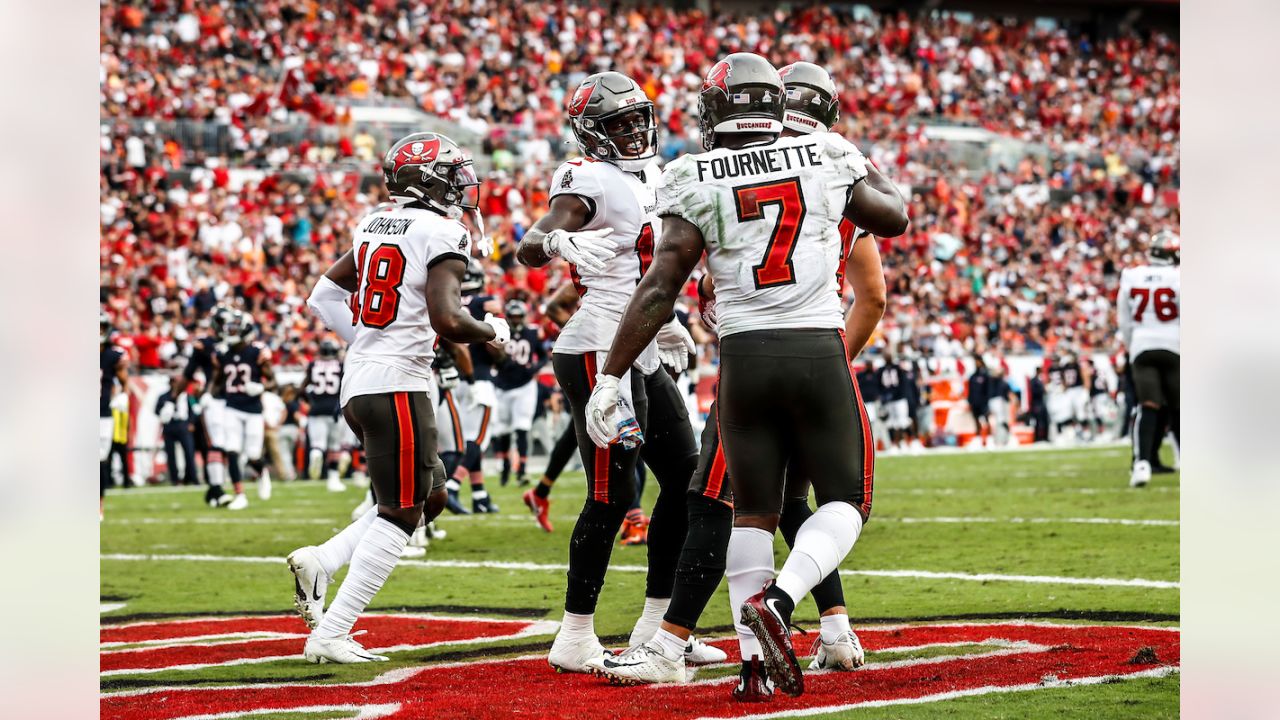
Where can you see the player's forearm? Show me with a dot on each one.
(860, 324)
(650, 308)
(328, 302)
(532, 250)
(458, 326)
(866, 277)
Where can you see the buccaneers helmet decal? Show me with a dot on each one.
(578, 103)
(717, 77)
(416, 153)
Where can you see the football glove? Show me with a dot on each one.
(609, 417)
(166, 413)
(675, 345)
(254, 389)
(501, 330)
(585, 249)
(120, 402)
(449, 378)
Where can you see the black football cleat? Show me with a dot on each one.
(453, 505)
(768, 614)
(483, 505)
(213, 494)
(753, 683)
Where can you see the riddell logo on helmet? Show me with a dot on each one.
(578, 103)
(416, 153)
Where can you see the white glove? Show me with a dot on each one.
(120, 401)
(254, 389)
(610, 420)
(674, 345)
(586, 249)
(166, 413)
(449, 377)
(201, 403)
(501, 331)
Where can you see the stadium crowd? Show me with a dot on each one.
(1005, 258)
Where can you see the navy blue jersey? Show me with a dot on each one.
(526, 354)
(324, 383)
(482, 362)
(1069, 372)
(893, 385)
(291, 410)
(202, 357)
(239, 368)
(108, 361)
(1097, 385)
(910, 384)
(869, 385)
(980, 387)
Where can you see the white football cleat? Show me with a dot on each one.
(420, 537)
(362, 508)
(264, 485)
(1141, 474)
(700, 653)
(360, 479)
(334, 484)
(239, 502)
(435, 533)
(845, 653)
(310, 583)
(573, 655)
(412, 552)
(640, 665)
(343, 650)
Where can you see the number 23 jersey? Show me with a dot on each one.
(770, 216)
(394, 344)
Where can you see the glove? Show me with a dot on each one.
(609, 418)
(254, 389)
(449, 378)
(586, 249)
(200, 404)
(120, 401)
(501, 331)
(675, 345)
(166, 413)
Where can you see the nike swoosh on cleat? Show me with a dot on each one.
(771, 603)
(315, 588)
(611, 664)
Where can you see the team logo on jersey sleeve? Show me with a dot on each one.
(417, 153)
(717, 77)
(578, 103)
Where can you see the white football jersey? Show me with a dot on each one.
(625, 202)
(395, 343)
(770, 215)
(1149, 308)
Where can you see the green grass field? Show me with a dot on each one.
(1051, 536)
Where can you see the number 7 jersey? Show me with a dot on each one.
(395, 343)
(770, 216)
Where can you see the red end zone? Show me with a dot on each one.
(1023, 656)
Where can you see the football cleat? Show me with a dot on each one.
(239, 502)
(453, 505)
(420, 537)
(310, 583)
(844, 654)
(213, 496)
(753, 683)
(435, 533)
(635, 530)
(333, 483)
(412, 552)
(540, 507)
(574, 655)
(768, 615)
(700, 653)
(640, 665)
(483, 505)
(522, 480)
(1141, 474)
(360, 479)
(343, 650)
(362, 508)
(264, 485)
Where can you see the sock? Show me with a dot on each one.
(543, 490)
(479, 494)
(822, 542)
(215, 471)
(566, 446)
(316, 460)
(702, 560)
(833, 627)
(374, 559)
(522, 451)
(450, 461)
(337, 550)
(829, 593)
(233, 469)
(671, 646)
(577, 626)
(1145, 437)
(589, 551)
(650, 619)
(750, 565)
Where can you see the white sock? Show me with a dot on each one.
(479, 494)
(748, 566)
(821, 544)
(650, 620)
(833, 627)
(577, 627)
(215, 472)
(336, 552)
(316, 461)
(371, 564)
(671, 646)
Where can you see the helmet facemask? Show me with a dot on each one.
(627, 138)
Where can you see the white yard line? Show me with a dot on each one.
(499, 565)
(221, 521)
(1034, 521)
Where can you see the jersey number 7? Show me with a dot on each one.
(775, 269)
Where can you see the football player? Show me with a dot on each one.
(895, 386)
(980, 388)
(766, 211)
(388, 297)
(113, 371)
(324, 430)
(211, 405)
(601, 221)
(517, 389)
(710, 501)
(1149, 308)
(243, 372)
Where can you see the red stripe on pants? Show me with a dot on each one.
(868, 444)
(404, 421)
(715, 479)
(600, 481)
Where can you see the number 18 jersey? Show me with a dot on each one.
(770, 216)
(395, 343)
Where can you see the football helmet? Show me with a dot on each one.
(430, 170)
(473, 279)
(812, 103)
(614, 121)
(237, 327)
(1165, 248)
(740, 94)
(515, 312)
(328, 348)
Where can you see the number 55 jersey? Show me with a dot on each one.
(394, 344)
(770, 215)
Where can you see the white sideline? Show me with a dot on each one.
(499, 565)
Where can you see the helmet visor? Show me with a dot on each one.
(633, 132)
(462, 178)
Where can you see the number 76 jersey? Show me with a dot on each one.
(770, 216)
(1149, 307)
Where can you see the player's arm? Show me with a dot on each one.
(329, 298)
(268, 372)
(1124, 313)
(559, 233)
(448, 317)
(875, 205)
(461, 358)
(866, 277)
(560, 304)
(655, 297)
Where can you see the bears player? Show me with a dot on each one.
(517, 387)
(211, 405)
(601, 221)
(324, 426)
(475, 398)
(1149, 309)
(766, 211)
(811, 106)
(894, 388)
(388, 297)
(113, 371)
(243, 372)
